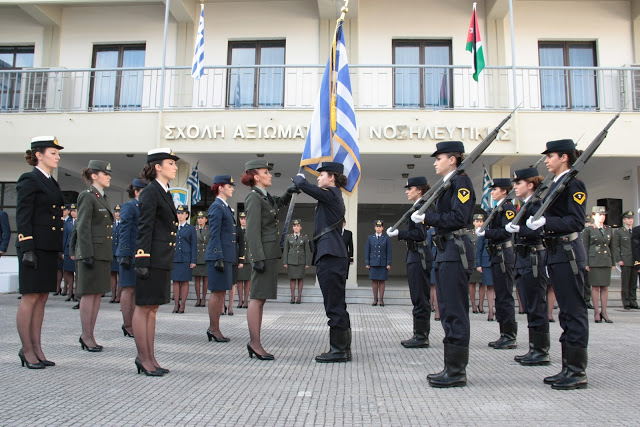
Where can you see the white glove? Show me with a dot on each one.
(512, 228)
(417, 218)
(479, 233)
(301, 174)
(534, 225)
(392, 233)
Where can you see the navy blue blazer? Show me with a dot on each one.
(116, 236)
(66, 238)
(5, 229)
(186, 244)
(128, 229)
(377, 253)
(496, 232)
(222, 233)
(416, 233)
(482, 256)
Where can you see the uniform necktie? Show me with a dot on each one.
(296, 237)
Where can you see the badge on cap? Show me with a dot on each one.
(379, 223)
(579, 197)
(463, 195)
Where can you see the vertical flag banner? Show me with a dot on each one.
(474, 45)
(194, 182)
(333, 133)
(197, 68)
(487, 203)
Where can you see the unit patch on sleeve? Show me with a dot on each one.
(510, 214)
(579, 197)
(463, 195)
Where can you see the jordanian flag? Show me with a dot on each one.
(474, 45)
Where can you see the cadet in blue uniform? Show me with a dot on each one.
(39, 224)
(453, 264)
(500, 248)
(3, 244)
(200, 279)
(531, 274)
(115, 267)
(419, 261)
(377, 259)
(184, 259)
(330, 257)
(126, 251)
(477, 276)
(68, 263)
(566, 261)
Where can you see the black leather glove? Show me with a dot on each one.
(141, 272)
(89, 262)
(125, 262)
(219, 265)
(293, 188)
(258, 266)
(29, 259)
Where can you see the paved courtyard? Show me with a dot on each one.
(385, 384)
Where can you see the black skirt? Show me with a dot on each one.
(41, 280)
(155, 289)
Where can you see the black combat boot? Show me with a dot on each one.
(576, 376)
(518, 358)
(539, 343)
(563, 372)
(508, 338)
(421, 329)
(493, 343)
(338, 347)
(454, 373)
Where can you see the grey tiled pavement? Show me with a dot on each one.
(217, 384)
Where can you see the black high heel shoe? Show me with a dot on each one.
(211, 336)
(252, 353)
(598, 320)
(69, 298)
(374, 303)
(84, 346)
(126, 333)
(606, 319)
(147, 373)
(30, 365)
(46, 362)
(162, 370)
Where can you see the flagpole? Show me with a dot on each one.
(164, 53)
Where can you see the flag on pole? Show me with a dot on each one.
(487, 202)
(333, 133)
(474, 45)
(197, 68)
(194, 183)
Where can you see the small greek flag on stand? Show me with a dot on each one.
(197, 68)
(333, 133)
(487, 202)
(194, 183)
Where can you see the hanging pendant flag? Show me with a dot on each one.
(474, 45)
(487, 202)
(194, 183)
(197, 68)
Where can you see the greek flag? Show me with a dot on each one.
(197, 69)
(194, 183)
(487, 202)
(333, 133)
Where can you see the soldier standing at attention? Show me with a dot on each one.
(453, 264)
(69, 264)
(377, 259)
(588, 223)
(330, 257)
(621, 248)
(347, 237)
(200, 278)
(4, 224)
(115, 266)
(244, 272)
(296, 258)
(184, 259)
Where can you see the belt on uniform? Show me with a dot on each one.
(550, 241)
(497, 249)
(532, 251)
(413, 246)
(440, 239)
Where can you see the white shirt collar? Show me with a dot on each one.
(527, 199)
(45, 174)
(165, 187)
(378, 235)
(448, 175)
(560, 176)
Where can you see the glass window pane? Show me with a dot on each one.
(407, 80)
(552, 82)
(271, 84)
(24, 57)
(583, 82)
(241, 82)
(104, 85)
(6, 57)
(132, 81)
(437, 80)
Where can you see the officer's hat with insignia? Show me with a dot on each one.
(559, 146)
(67, 207)
(100, 166)
(45, 142)
(73, 207)
(599, 210)
(258, 164)
(200, 215)
(378, 223)
(296, 222)
(159, 154)
(478, 217)
(242, 215)
(525, 173)
(117, 208)
(627, 214)
(330, 167)
(223, 179)
(182, 208)
(448, 147)
(416, 181)
(501, 182)
(588, 219)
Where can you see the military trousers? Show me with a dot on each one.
(503, 288)
(573, 317)
(629, 283)
(534, 293)
(419, 290)
(452, 291)
(332, 277)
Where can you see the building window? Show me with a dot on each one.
(256, 87)
(422, 87)
(13, 58)
(8, 201)
(563, 89)
(117, 89)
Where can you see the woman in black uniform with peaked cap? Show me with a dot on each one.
(39, 222)
(155, 247)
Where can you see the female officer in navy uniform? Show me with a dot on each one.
(453, 263)
(531, 272)
(184, 259)
(419, 261)
(126, 250)
(39, 222)
(94, 251)
(155, 246)
(566, 261)
(244, 272)
(115, 267)
(221, 252)
(200, 279)
(330, 257)
(296, 258)
(503, 259)
(377, 259)
(68, 264)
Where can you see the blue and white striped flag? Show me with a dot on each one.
(333, 135)
(487, 201)
(194, 183)
(197, 68)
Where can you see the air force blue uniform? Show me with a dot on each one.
(127, 235)
(67, 263)
(186, 253)
(222, 245)
(115, 267)
(377, 255)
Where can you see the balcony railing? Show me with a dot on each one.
(376, 87)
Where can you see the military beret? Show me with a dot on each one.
(201, 214)
(416, 181)
(599, 210)
(448, 147)
(258, 164)
(627, 214)
(116, 208)
(182, 208)
(559, 145)
(296, 222)
(378, 223)
(223, 179)
(45, 141)
(501, 182)
(330, 167)
(137, 182)
(478, 217)
(100, 166)
(525, 173)
(159, 154)
(242, 215)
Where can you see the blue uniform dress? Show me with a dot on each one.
(222, 245)
(566, 216)
(454, 210)
(503, 282)
(115, 267)
(68, 264)
(377, 255)
(128, 233)
(484, 260)
(186, 253)
(330, 258)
